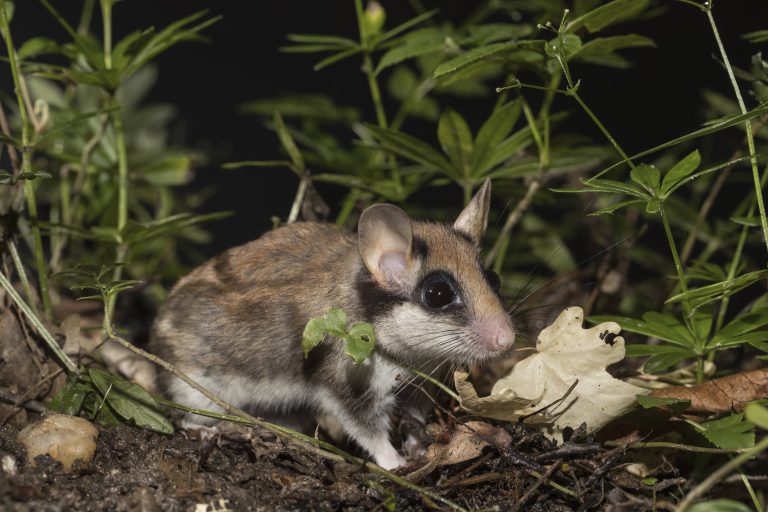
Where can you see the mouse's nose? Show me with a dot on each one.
(496, 334)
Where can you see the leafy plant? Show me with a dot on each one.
(359, 338)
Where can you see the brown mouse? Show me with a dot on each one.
(235, 323)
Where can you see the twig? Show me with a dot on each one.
(23, 398)
(673, 446)
(529, 492)
(297, 202)
(513, 218)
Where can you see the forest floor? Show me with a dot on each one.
(510, 466)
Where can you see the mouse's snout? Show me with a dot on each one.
(496, 334)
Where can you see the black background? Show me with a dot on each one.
(657, 100)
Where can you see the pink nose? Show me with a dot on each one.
(496, 335)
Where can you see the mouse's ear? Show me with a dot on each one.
(384, 235)
(473, 220)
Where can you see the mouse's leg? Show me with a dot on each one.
(368, 427)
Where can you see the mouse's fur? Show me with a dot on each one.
(234, 324)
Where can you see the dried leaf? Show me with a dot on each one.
(569, 358)
(721, 395)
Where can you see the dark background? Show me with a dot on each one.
(656, 101)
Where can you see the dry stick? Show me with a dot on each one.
(17, 404)
(720, 473)
(306, 442)
(513, 218)
(673, 446)
(299, 200)
(528, 493)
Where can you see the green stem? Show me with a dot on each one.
(122, 196)
(26, 165)
(346, 207)
(718, 475)
(602, 128)
(22, 273)
(70, 366)
(373, 86)
(747, 123)
(106, 16)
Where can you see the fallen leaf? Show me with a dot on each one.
(466, 442)
(568, 356)
(721, 395)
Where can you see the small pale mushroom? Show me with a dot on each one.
(65, 438)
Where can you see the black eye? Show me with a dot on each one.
(494, 281)
(438, 294)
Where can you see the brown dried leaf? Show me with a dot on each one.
(721, 395)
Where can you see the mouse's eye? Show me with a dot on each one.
(494, 281)
(438, 294)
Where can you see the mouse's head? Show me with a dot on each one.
(424, 287)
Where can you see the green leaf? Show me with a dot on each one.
(697, 297)
(410, 147)
(612, 186)
(758, 36)
(130, 401)
(659, 362)
(612, 208)
(333, 323)
(7, 178)
(288, 144)
(742, 325)
(601, 50)
(389, 34)
(335, 41)
(720, 505)
(455, 139)
(494, 130)
(704, 172)
(606, 15)
(757, 414)
(256, 163)
(566, 46)
(480, 53)
(69, 400)
(37, 46)
(658, 325)
(677, 405)
(360, 342)
(416, 44)
(680, 171)
(730, 433)
(648, 177)
(712, 127)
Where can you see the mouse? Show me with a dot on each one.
(235, 323)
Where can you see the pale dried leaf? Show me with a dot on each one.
(567, 356)
(467, 442)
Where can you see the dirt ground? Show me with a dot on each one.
(252, 469)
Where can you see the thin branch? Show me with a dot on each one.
(513, 218)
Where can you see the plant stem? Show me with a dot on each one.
(26, 165)
(373, 86)
(22, 273)
(602, 128)
(720, 473)
(70, 366)
(106, 17)
(747, 123)
(673, 446)
(122, 197)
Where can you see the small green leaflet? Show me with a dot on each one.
(757, 414)
(731, 432)
(359, 338)
(130, 401)
(675, 404)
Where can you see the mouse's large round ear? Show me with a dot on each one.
(385, 234)
(473, 220)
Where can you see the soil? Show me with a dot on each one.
(252, 469)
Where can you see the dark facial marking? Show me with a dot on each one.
(493, 279)
(419, 248)
(375, 300)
